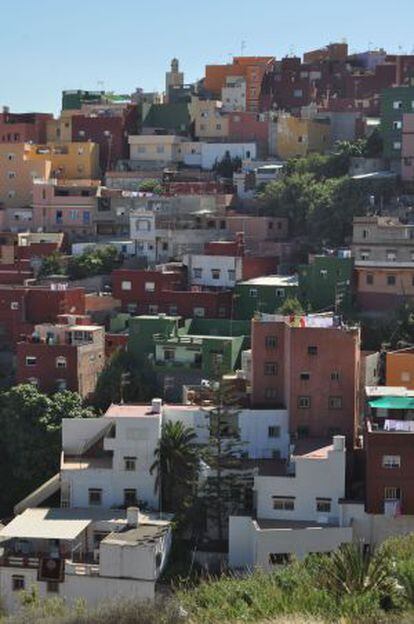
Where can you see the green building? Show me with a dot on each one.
(395, 101)
(169, 118)
(263, 294)
(142, 329)
(325, 282)
(73, 100)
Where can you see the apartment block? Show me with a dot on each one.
(23, 127)
(395, 102)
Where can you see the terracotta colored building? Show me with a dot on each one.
(21, 127)
(22, 307)
(65, 356)
(300, 369)
(399, 368)
(248, 126)
(251, 68)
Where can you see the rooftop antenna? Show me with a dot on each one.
(370, 44)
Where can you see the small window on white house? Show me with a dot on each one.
(197, 273)
(284, 503)
(61, 362)
(231, 274)
(95, 496)
(130, 464)
(126, 285)
(391, 461)
(323, 505)
(397, 125)
(215, 273)
(18, 582)
(31, 360)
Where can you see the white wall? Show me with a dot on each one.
(210, 152)
(314, 478)
(242, 542)
(207, 263)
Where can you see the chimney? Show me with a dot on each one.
(339, 443)
(156, 405)
(132, 514)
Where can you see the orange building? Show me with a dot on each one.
(251, 68)
(331, 52)
(400, 368)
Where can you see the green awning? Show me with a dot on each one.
(393, 402)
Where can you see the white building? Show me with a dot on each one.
(205, 155)
(212, 270)
(233, 95)
(298, 509)
(93, 554)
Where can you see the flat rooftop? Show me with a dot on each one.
(272, 280)
(142, 534)
(292, 524)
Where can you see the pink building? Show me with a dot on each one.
(245, 127)
(67, 206)
(23, 127)
(407, 165)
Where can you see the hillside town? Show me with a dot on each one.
(207, 324)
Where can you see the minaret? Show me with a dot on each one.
(173, 78)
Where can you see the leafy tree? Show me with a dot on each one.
(321, 166)
(31, 424)
(226, 486)
(227, 165)
(176, 466)
(52, 265)
(151, 186)
(126, 377)
(94, 262)
(292, 305)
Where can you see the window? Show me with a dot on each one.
(31, 360)
(323, 505)
(396, 125)
(52, 587)
(365, 254)
(18, 582)
(392, 493)
(364, 233)
(141, 149)
(312, 350)
(173, 310)
(197, 273)
(273, 432)
(222, 311)
(252, 292)
(81, 133)
(11, 194)
(396, 145)
(215, 273)
(11, 175)
(95, 496)
(391, 461)
(405, 376)
(297, 93)
(304, 402)
(14, 305)
(300, 139)
(130, 463)
(335, 402)
(199, 312)
(232, 274)
(271, 342)
(149, 287)
(285, 503)
(304, 376)
(270, 393)
(61, 362)
(391, 280)
(397, 104)
(370, 278)
(218, 126)
(153, 308)
(126, 285)
(334, 376)
(279, 558)
(10, 156)
(130, 497)
(270, 368)
(280, 292)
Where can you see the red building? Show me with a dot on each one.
(64, 356)
(311, 371)
(21, 307)
(23, 127)
(109, 130)
(245, 127)
(152, 292)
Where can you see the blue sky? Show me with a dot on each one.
(47, 46)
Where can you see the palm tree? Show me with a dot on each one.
(176, 465)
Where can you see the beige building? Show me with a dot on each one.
(158, 149)
(209, 121)
(17, 172)
(291, 137)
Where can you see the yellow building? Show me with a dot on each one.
(293, 136)
(60, 130)
(21, 163)
(209, 121)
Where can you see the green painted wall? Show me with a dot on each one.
(325, 279)
(143, 328)
(267, 300)
(389, 115)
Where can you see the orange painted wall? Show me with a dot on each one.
(400, 369)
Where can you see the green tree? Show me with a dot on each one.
(94, 262)
(292, 305)
(52, 265)
(31, 424)
(226, 487)
(127, 377)
(227, 165)
(151, 186)
(176, 467)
